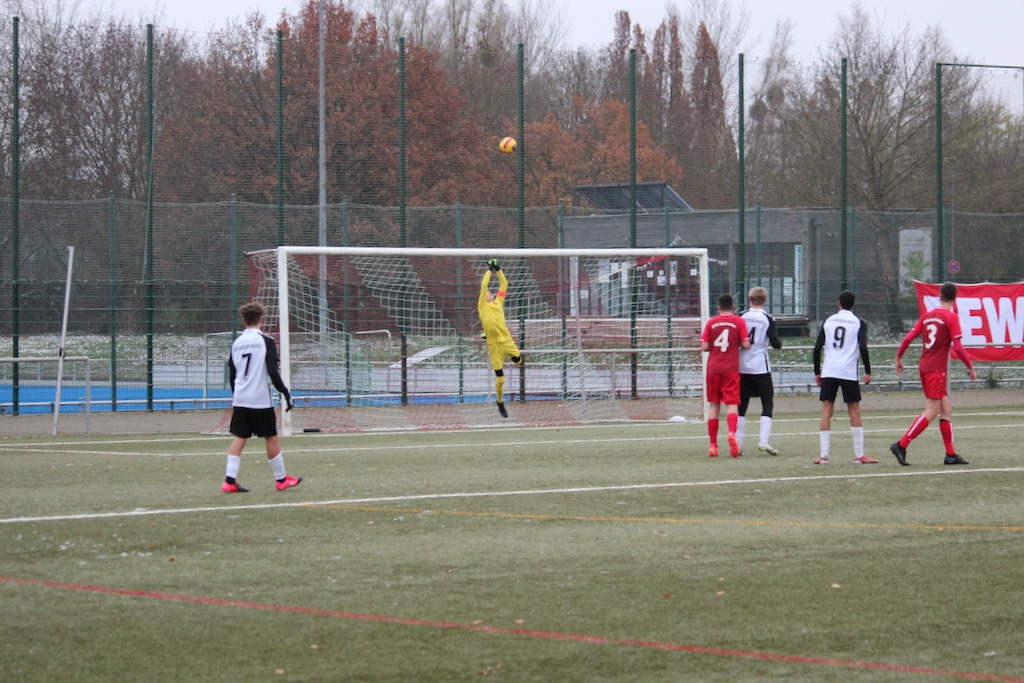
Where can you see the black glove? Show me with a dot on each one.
(493, 265)
(291, 404)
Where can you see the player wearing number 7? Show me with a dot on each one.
(939, 328)
(723, 337)
(253, 366)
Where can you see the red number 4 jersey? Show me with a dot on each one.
(724, 333)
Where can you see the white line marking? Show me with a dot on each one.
(840, 418)
(449, 445)
(496, 494)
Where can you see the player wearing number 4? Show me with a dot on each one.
(491, 307)
(939, 328)
(722, 338)
(842, 336)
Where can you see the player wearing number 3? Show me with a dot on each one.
(842, 337)
(723, 337)
(939, 328)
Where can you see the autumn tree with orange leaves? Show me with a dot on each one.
(222, 138)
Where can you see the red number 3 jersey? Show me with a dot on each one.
(937, 328)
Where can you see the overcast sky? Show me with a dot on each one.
(989, 31)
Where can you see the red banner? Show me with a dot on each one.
(989, 313)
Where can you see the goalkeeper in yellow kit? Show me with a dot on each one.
(500, 346)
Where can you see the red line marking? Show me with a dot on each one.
(548, 635)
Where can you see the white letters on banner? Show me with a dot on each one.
(990, 313)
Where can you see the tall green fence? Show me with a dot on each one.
(164, 156)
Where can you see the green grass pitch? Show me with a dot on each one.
(602, 553)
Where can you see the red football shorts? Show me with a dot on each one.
(934, 385)
(724, 387)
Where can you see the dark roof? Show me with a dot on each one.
(650, 196)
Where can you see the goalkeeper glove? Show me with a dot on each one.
(291, 404)
(493, 265)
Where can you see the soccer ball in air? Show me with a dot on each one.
(507, 145)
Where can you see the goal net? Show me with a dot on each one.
(376, 338)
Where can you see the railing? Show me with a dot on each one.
(56, 403)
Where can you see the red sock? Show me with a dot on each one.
(732, 420)
(713, 430)
(946, 427)
(919, 425)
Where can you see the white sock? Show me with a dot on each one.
(766, 428)
(825, 437)
(858, 441)
(234, 463)
(741, 424)
(277, 464)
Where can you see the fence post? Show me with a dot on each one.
(150, 137)
(741, 257)
(112, 264)
(842, 180)
(15, 217)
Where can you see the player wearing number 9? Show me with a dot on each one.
(723, 337)
(842, 337)
(939, 329)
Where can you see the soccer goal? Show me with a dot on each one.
(377, 338)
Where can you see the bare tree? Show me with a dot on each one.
(766, 148)
(727, 29)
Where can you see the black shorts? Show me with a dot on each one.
(246, 422)
(760, 386)
(756, 385)
(830, 388)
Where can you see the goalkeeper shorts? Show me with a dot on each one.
(499, 351)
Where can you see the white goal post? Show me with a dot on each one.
(378, 337)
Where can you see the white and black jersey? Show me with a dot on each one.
(253, 365)
(761, 326)
(842, 337)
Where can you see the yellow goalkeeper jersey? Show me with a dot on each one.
(492, 315)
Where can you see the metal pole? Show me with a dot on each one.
(741, 257)
(402, 227)
(634, 279)
(842, 180)
(940, 228)
(15, 219)
(233, 219)
(522, 149)
(520, 69)
(280, 138)
(401, 144)
(112, 252)
(63, 338)
(150, 137)
(757, 246)
(322, 203)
